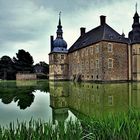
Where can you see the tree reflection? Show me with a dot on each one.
(21, 92)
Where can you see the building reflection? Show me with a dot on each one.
(59, 100)
(135, 95)
(92, 99)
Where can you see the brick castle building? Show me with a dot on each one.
(101, 54)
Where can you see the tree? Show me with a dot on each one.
(6, 68)
(23, 61)
(44, 67)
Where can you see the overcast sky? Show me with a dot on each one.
(28, 24)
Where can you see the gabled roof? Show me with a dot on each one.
(101, 33)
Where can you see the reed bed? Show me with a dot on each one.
(122, 126)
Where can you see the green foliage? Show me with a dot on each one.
(43, 66)
(124, 126)
(23, 61)
(7, 68)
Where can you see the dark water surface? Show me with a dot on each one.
(50, 101)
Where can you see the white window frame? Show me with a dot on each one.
(97, 48)
(110, 100)
(134, 51)
(110, 63)
(62, 56)
(91, 50)
(97, 63)
(110, 47)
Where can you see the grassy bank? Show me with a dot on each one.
(123, 126)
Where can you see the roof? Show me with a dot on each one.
(134, 35)
(59, 42)
(101, 33)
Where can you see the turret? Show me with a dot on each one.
(59, 44)
(58, 61)
(134, 35)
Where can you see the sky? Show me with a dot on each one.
(28, 24)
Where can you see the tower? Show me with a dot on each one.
(134, 37)
(58, 63)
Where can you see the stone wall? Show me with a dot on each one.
(119, 55)
(58, 66)
(136, 62)
(26, 76)
(92, 62)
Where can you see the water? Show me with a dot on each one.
(50, 101)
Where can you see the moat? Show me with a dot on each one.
(50, 101)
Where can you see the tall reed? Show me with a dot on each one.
(122, 126)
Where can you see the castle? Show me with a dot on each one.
(101, 54)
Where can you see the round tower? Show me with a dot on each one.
(134, 37)
(58, 61)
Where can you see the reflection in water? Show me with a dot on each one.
(21, 92)
(24, 100)
(60, 100)
(88, 99)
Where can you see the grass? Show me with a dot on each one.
(123, 126)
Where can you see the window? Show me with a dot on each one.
(83, 66)
(50, 57)
(86, 51)
(97, 48)
(55, 56)
(110, 100)
(97, 63)
(75, 53)
(62, 56)
(82, 53)
(91, 64)
(110, 47)
(62, 67)
(87, 64)
(110, 63)
(91, 50)
(98, 99)
(134, 51)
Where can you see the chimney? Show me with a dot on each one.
(82, 31)
(102, 20)
(51, 42)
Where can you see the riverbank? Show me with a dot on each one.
(121, 126)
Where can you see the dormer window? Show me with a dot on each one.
(110, 47)
(111, 36)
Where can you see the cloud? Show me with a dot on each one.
(28, 24)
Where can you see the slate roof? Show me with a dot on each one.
(101, 33)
